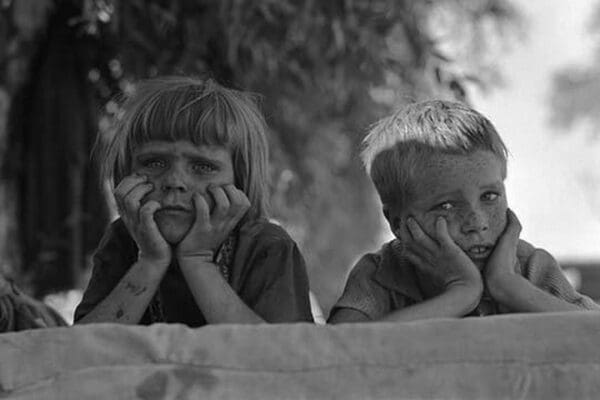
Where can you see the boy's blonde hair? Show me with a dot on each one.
(398, 146)
(202, 112)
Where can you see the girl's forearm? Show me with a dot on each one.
(218, 302)
(128, 301)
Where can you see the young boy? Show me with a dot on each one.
(439, 169)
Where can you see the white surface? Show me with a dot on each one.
(551, 173)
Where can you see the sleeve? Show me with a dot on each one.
(363, 293)
(110, 262)
(544, 272)
(19, 312)
(277, 286)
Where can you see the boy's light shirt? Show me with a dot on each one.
(386, 281)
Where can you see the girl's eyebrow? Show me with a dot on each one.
(189, 155)
(196, 158)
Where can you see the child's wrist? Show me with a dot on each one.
(154, 261)
(500, 285)
(467, 279)
(202, 256)
(469, 295)
(472, 288)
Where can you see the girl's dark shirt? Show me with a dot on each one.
(268, 273)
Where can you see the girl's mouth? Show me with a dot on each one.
(174, 210)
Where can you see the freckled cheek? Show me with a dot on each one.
(454, 222)
(497, 221)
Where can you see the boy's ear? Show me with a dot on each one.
(392, 219)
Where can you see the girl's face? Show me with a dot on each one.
(177, 170)
(468, 191)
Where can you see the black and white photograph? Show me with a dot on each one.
(299, 199)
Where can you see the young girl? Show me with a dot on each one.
(192, 244)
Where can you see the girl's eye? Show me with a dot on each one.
(203, 168)
(154, 163)
(490, 196)
(445, 206)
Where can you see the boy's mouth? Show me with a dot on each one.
(479, 252)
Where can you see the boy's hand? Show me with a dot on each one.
(441, 259)
(502, 261)
(211, 229)
(139, 219)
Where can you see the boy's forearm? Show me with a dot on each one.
(519, 295)
(128, 301)
(455, 302)
(218, 302)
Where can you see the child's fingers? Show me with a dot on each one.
(510, 237)
(416, 259)
(131, 203)
(202, 209)
(442, 234)
(419, 236)
(221, 207)
(147, 215)
(513, 224)
(402, 233)
(509, 240)
(127, 184)
(238, 202)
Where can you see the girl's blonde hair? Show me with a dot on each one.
(399, 146)
(202, 112)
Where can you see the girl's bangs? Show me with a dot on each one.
(200, 119)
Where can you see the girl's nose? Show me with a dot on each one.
(174, 181)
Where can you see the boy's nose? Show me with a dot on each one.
(475, 221)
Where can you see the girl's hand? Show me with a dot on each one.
(139, 219)
(503, 259)
(439, 258)
(210, 230)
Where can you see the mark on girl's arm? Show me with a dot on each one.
(142, 290)
(132, 287)
(120, 313)
(135, 289)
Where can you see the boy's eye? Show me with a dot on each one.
(490, 196)
(445, 206)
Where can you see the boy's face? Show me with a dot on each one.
(177, 170)
(468, 191)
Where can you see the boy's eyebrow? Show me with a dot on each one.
(493, 185)
(440, 196)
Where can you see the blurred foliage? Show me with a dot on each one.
(576, 88)
(325, 70)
